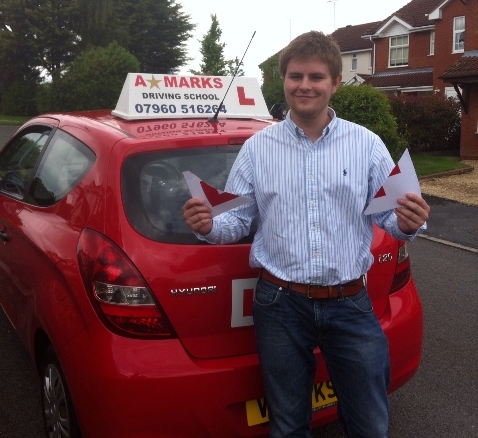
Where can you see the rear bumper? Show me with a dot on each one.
(132, 388)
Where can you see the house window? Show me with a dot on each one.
(432, 42)
(354, 62)
(399, 51)
(458, 34)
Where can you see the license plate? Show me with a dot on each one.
(323, 396)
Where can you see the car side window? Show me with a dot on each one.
(65, 162)
(19, 158)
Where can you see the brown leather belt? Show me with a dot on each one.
(314, 290)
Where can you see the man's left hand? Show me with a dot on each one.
(412, 213)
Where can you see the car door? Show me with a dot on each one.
(18, 160)
(6, 293)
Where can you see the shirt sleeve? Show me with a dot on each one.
(233, 225)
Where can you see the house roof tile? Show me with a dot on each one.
(465, 67)
(414, 13)
(349, 37)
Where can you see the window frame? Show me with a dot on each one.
(457, 33)
(354, 61)
(432, 42)
(396, 48)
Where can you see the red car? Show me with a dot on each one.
(138, 329)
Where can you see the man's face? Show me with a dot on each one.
(308, 87)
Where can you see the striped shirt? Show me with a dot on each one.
(310, 198)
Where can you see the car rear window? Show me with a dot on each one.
(154, 189)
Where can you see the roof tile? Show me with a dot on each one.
(414, 13)
(349, 37)
(466, 66)
(403, 79)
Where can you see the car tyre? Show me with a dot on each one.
(58, 414)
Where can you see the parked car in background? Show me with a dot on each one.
(137, 328)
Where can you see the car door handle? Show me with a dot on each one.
(4, 236)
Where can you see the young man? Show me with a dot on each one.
(311, 177)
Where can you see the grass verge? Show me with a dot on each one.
(429, 164)
(13, 120)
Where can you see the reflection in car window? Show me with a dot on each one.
(154, 189)
(63, 165)
(18, 159)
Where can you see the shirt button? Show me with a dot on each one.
(315, 255)
(311, 176)
(313, 228)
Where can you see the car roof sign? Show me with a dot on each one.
(155, 96)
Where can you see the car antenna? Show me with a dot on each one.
(214, 118)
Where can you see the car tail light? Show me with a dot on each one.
(402, 269)
(117, 290)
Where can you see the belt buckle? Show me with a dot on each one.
(308, 289)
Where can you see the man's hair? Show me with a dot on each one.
(313, 45)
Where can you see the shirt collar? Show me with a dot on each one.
(298, 132)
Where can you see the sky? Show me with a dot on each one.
(275, 24)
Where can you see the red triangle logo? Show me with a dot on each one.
(380, 193)
(214, 196)
(395, 171)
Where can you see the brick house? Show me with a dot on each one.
(422, 48)
(463, 75)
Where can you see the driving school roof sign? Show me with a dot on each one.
(153, 96)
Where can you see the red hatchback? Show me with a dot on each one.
(137, 328)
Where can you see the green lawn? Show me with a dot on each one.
(426, 164)
(13, 120)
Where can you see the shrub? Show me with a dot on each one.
(94, 79)
(428, 122)
(272, 86)
(19, 99)
(369, 107)
(44, 98)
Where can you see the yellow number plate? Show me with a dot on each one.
(323, 396)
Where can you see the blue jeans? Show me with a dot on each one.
(288, 327)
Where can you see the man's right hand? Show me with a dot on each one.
(198, 216)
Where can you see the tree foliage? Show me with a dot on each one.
(41, 38)
(272, 85)
(98, 22)
(371, 108)
(158, 31)
(94, 80)
(212, 51)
